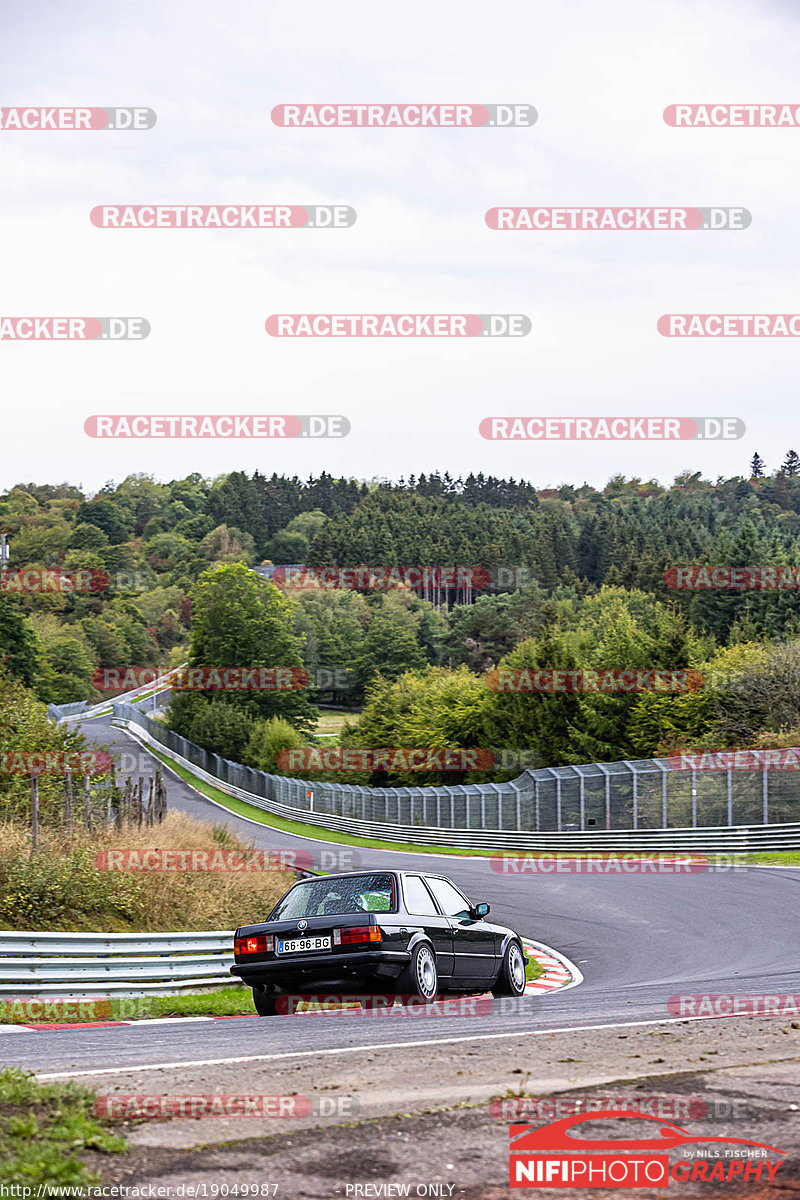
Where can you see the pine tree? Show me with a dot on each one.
(756, 466)
(791, 464)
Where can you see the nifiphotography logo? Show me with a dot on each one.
(579, 1162)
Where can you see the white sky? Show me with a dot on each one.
(599, 77)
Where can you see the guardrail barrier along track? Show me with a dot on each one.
(643, 805)
(79, 710)
(113, 964)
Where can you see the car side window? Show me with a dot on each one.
(449, 897)
(418, 899)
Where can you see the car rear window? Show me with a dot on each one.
(336, 896)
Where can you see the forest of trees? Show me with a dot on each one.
(577, 581)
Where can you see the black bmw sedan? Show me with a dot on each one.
(408, 932)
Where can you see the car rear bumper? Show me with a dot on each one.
(284, 974)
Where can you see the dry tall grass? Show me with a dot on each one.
(61, 886)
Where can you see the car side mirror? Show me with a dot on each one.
(480, 910)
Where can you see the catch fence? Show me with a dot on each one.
(595, 803)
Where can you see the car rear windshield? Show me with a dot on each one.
(323, 897)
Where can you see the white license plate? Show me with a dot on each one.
(306, 943)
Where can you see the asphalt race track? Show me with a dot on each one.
(638, 939)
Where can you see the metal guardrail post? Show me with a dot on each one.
(664, 798)
(604, 772)
(635, 792)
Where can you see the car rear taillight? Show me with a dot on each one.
(259, 944)
(356, 933)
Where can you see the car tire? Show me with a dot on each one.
(265, 1004)
(420, 977)
(511, 980)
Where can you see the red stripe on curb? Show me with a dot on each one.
(76, 1025)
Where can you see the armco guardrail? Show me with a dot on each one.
(119, 964)
(600, 806)
(59, 712)
(79, 710)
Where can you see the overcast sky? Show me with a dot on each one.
(599, 76)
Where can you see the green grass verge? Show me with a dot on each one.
(225, 1002)
(782, 858)
(533, 970)
(43, 1130)
(332, 721)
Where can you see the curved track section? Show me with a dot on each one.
(637, 939)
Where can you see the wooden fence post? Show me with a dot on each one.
(161, 796)
(87, 802)
(124, 805)
(68, 820)
(34, 810)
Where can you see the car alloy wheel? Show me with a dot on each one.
(516, 969)
(427, 978)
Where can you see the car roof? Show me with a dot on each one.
(372, 871)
